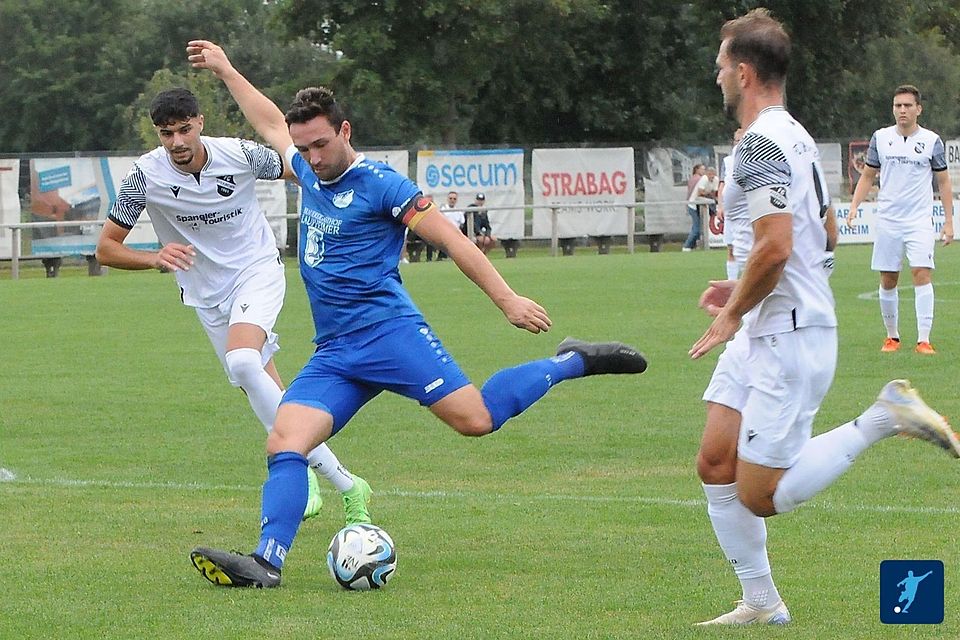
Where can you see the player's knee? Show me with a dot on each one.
(473, 425)
(243, 366)
(714, 467)
(760, 503)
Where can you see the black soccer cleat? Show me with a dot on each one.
(232, 569)
(605, 357)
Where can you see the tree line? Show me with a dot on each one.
(77, 75)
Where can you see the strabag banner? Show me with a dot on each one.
(601, 178)
(496, 173)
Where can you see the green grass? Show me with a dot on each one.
(583, 518)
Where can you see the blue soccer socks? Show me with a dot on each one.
(284, 499)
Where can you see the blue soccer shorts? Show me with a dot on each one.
(402, 355)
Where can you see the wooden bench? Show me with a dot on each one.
(654, 240)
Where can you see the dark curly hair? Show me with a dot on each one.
(312, 102)
(172, 106)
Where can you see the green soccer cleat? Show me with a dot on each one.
(314, 500)
(355, 502)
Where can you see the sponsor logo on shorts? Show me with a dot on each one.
(751, 434)
(433, 385)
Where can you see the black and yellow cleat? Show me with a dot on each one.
(232, 569)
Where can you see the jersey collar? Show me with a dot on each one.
(360, 158)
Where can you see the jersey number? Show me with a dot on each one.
(313, 251)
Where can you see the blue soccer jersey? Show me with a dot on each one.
(351, 236)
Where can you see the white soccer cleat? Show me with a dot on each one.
(746, 614)
(914, 418)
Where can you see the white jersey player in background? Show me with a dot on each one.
(907, 157)
(736, 220)
(757, 457)
(200, 193)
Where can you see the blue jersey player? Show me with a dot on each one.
(370, 336)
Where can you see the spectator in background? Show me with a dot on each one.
(482, 231)
(704, 192)
(698, 171)
(453, 214)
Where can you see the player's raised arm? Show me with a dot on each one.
(259, 110)
(522, 312)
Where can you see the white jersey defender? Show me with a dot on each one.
(906, 165)
(215, 210)
(777, 169)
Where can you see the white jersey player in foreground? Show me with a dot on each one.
(200, 192)
(907, 156)
(757, 458)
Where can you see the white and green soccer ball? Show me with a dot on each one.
(362, 557)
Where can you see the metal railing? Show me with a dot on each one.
(629, 226)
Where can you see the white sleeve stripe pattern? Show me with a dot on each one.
(264, 162)
(131, 199)
(760, 163)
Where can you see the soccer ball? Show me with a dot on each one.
(361, 557)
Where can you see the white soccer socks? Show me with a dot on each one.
(743, 538)
(889, 311)
(924, 305)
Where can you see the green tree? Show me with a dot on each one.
(59, 92)
(925, 60)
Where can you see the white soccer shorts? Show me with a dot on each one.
(890, 245)
(257, 299)
(777, 383)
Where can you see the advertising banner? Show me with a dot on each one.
(496, 173)
(9, 203)
(665, 186)
(399, 159)
(601, 178)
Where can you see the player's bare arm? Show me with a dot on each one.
(830, 224)
(259, 110)
(771, 249)
(112, 252)
(521, 312)
(946, 199)
(864, 184)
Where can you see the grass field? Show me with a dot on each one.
(583, 518)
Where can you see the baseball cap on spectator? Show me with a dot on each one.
(480, 196)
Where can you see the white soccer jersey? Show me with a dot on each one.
(906, 167)
(776, 169)
(736, 216)
(216, 211)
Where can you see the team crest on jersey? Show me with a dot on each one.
(778, 197)
(226, 185)
(343, 199)
(919, 147)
